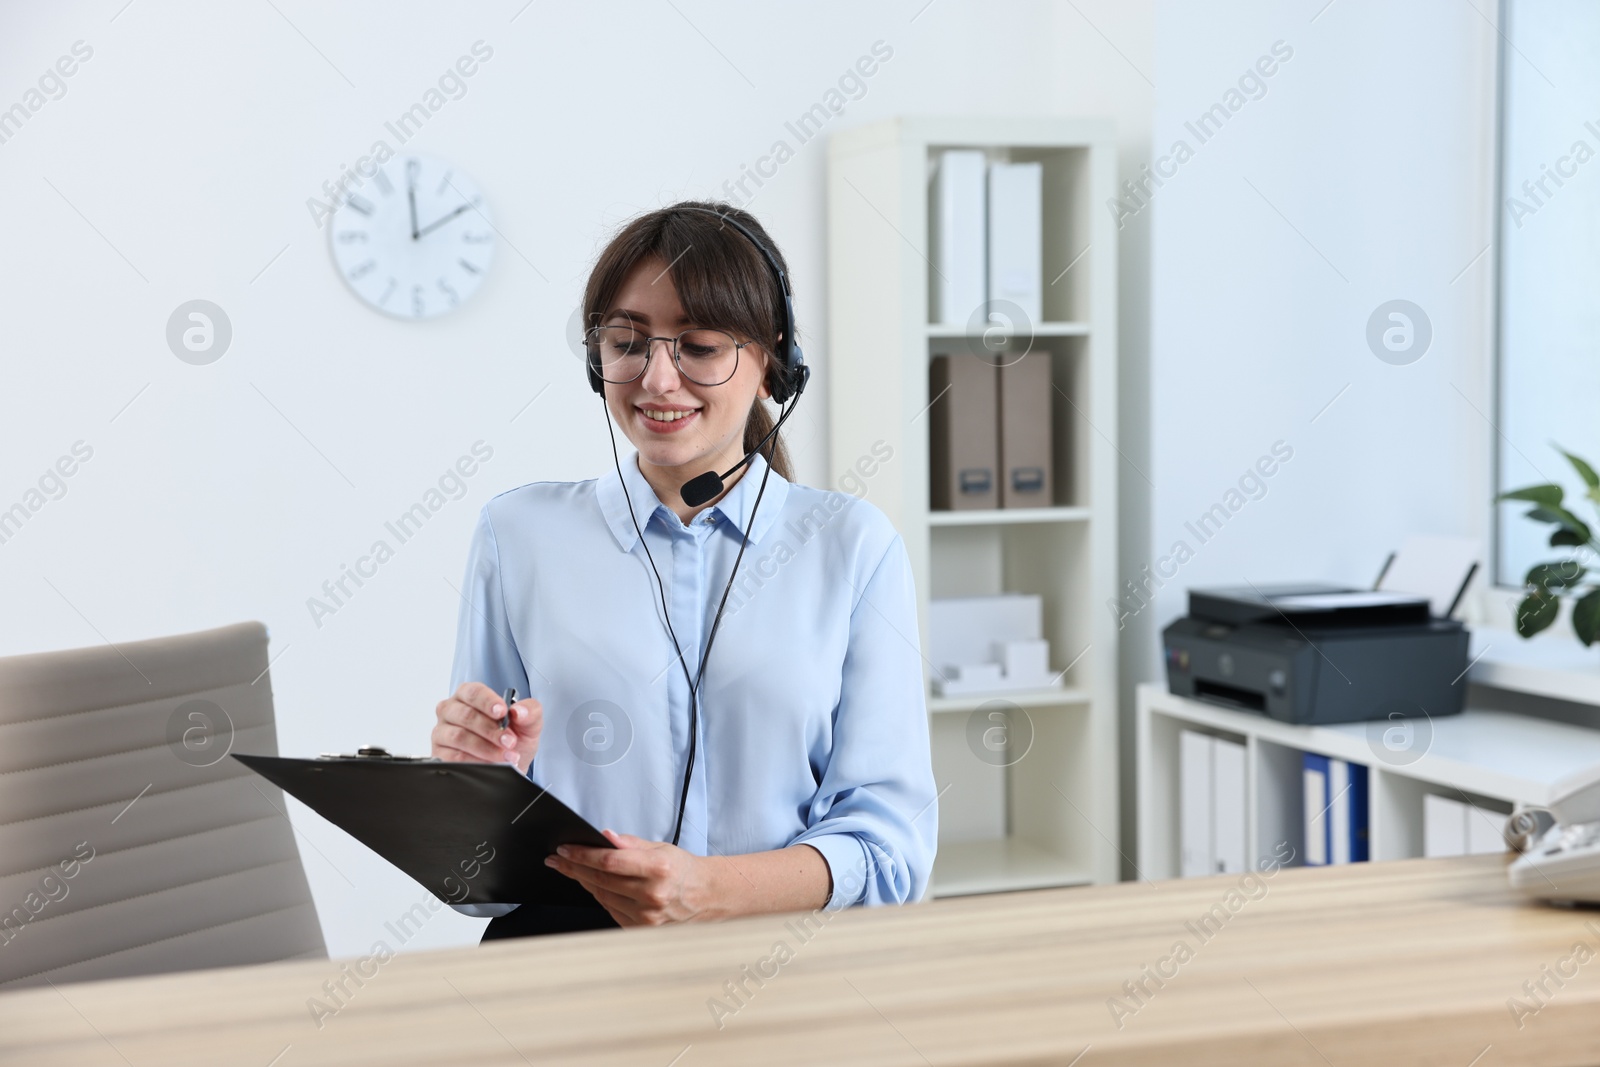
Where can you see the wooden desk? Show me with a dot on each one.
(1391, 963)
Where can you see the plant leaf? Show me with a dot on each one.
(1536, 612)
(1562, 517)
(1548, 495)
(1586, 472)
(1586, 616)
(1562, 575)
(1565, 538)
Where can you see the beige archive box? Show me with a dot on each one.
(1025, 447)
(964, 439)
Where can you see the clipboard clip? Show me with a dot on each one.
(378, 752)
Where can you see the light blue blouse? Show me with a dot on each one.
(813, 724)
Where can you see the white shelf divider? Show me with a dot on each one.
(1061, 697)
(1007, 516)
(1040, 329)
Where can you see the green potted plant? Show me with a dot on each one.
(1546, 583)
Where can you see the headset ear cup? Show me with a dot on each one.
(793, 359)
(799, 373)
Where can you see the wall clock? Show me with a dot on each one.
(414, 241)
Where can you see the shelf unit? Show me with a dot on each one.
(1048, 817)
(1496, 760)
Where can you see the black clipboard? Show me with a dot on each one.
(469, 833)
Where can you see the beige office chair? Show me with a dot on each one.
(130, 843)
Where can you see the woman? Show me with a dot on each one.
(733, 687)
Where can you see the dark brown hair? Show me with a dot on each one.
(723, 282)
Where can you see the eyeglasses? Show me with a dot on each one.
(705, 357)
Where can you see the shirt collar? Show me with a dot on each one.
(734, 508)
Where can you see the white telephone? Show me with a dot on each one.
(1562, 860)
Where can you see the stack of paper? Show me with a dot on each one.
(989, 644)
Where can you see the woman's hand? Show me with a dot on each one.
(642, 883)
(468, 730)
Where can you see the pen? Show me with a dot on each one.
(510, 698)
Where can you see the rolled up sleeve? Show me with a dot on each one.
(875, 815)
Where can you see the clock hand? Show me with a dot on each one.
(435, 225)
(411, 194)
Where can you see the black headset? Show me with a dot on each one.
(786, 384)
(790, 377)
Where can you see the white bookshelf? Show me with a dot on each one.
(1494, 759)
(1050, 818)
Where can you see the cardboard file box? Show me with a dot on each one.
(964, 450)
(1025, 451)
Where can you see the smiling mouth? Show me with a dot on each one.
(666, 416)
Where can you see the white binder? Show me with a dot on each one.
(958, 235)
(1485, 832)
(1016, 226)
(1227, 807)
(1444, 826)
(1339, 810)
(1194, 805)
(1315, 782)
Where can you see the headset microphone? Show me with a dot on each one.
(706, 487)
(699, 490)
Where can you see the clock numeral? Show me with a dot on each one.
(476, 238)
(451, 293)
(418, 308)
(361, 270)
(355, 203)
(444, 183)
(387, 293)
(413, 170)
(381, 180)
(469, 267)
(351, 236)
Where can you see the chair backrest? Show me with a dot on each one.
(130, 843)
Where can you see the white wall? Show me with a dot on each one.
(1362, 175)
(178, 165)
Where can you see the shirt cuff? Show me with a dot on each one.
(847, 866)
(486, 911)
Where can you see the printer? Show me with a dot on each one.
(1313, 654)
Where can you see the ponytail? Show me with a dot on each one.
(758, 426)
